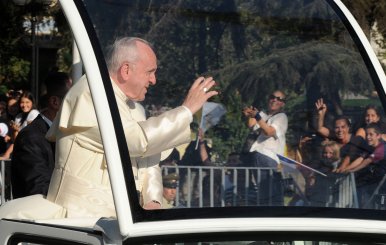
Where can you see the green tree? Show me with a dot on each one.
(367, 12)
(252, 47)
(14, 67)
(15, 41)
(229, 135)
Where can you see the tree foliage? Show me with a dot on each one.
(367, 12)
(305, 68)
(250, 47)
(14, 68)
(15, 41)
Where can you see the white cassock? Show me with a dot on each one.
(80, 185)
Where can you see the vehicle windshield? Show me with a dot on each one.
(298, 65)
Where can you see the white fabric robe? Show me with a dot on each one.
(80, 185)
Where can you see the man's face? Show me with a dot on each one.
(341, 129)
(276, 101)
(140, 74)
(169, 194)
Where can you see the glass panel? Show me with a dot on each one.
(299, 51)
(272, 243)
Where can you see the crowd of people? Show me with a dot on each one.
(267, 139)
(335, 151)
(23, 127)
(344, 149)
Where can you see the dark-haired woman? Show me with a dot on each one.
(27, 115)
(351, 146)
(28, 112)
(371, 114)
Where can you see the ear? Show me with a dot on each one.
(124, 70)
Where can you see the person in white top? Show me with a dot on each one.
(272, 127)
(28, 112)
(26, 116)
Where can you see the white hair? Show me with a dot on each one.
(123, 50)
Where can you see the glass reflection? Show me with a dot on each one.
(253, 48)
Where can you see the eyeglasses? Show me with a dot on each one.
(13, 93)
(271, 97)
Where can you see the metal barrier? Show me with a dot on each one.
(248, 186)
(379, 204)
(227, 186)
(5, 181)
(342, 192)
(237, 186)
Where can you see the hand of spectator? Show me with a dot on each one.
(199, 93)
(250, 111)
(7, 139)
(4, 157)
(304, 140)
(14, 126)
(152, 205)
(311, 180)
(321, 107)
(338, 170)
(200, 134)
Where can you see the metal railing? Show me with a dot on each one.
(5, 181)
(219, 186)
(236, 186)
(249, 186)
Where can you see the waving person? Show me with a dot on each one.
(351, 146)
(80, 184)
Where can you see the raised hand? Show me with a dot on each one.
(321, 107)
(199, 93)
(250, 111)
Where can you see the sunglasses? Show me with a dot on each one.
(271, 97)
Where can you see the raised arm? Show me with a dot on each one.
(248, 112)
(251, 113)
(202, 148)
(321, 109)
(343, 165)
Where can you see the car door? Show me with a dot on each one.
(308, 49)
